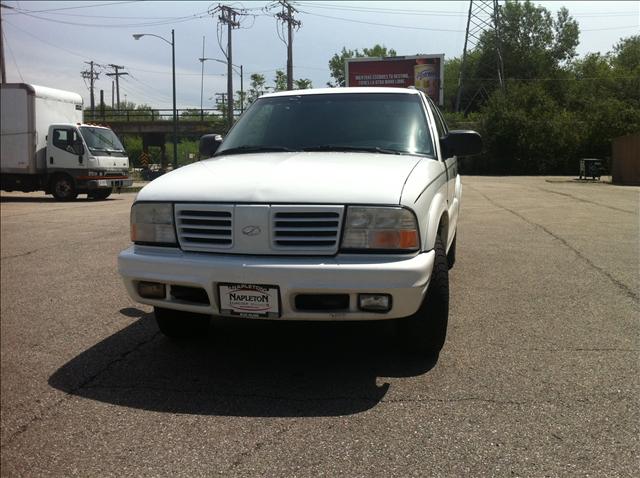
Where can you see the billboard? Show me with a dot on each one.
(425, 72)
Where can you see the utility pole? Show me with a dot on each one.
(117, 74)
(286, 16)
(202, 80)
(113, 86)
(483, 15)
(102, 104)
(91, 75)
(228, 16)
(2, 67)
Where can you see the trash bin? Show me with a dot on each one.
(590, 167)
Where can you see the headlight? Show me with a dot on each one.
(152, 223)
(380, 228)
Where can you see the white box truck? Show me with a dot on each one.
(46, 147)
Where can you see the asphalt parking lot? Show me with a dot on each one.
(539, 376)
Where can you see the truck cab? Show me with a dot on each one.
(85, 158)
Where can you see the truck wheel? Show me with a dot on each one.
(100, 194)
(63, 188)
(426, 330)
(177, 324)
(451, 255)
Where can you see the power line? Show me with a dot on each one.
(286, 16)
(117, 74)
(91, 75)
(46, 42)
(128, 25)
(231, 18)
(13, 56)
(368, 9)
(92, 5)
(404, 27)
(483, 16)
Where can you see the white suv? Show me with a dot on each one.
(330, 204)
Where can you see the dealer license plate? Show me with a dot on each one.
(249, 300)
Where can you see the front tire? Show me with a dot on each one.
(63, 188)
(177, 324)
(426, 330)
(451, 255)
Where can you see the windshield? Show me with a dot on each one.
(379, 122)
(101, 140)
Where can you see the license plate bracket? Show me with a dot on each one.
(249, 300)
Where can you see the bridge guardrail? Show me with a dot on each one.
(154, 115)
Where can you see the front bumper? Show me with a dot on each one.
(404, 278)
(109, 183)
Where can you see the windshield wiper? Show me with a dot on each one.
(366, 149)
(254, 149)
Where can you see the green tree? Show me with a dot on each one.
(534, 46)
(241, 100)
(526, 131)
(280, 81)
(337, 61)
(302, 84)
(257, 87)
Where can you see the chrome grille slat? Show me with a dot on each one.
(306, 228)
(204, 227)
(199, 226)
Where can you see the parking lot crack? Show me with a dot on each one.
(52, 410)
(623, 287)
(587, 201)
(19, 255)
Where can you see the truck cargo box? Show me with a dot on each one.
(27, 112)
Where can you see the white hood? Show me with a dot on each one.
(305, 177)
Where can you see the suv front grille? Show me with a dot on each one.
(203, 227)
(259, 229)
(306, 228)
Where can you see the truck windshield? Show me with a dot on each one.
(391, 123)
(101, 140)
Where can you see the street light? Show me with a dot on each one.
(137, 36)
(202, 60)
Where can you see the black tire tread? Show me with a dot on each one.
(426, 330)
(451, 256)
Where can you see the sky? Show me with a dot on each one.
(48, 42)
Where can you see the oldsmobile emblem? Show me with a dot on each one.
(251, 230)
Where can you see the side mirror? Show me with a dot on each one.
(78, 147)
(461, 143)
(209, 144)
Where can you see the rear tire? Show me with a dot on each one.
(426, 330)
(63, 188)
(100, 194)
(177, 324)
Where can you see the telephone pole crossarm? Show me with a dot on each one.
(117, 74)
(286, 16)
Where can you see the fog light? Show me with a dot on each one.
(151, 290)
(374, 302)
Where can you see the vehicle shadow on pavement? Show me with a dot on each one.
(243, 368)
(49, 199)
